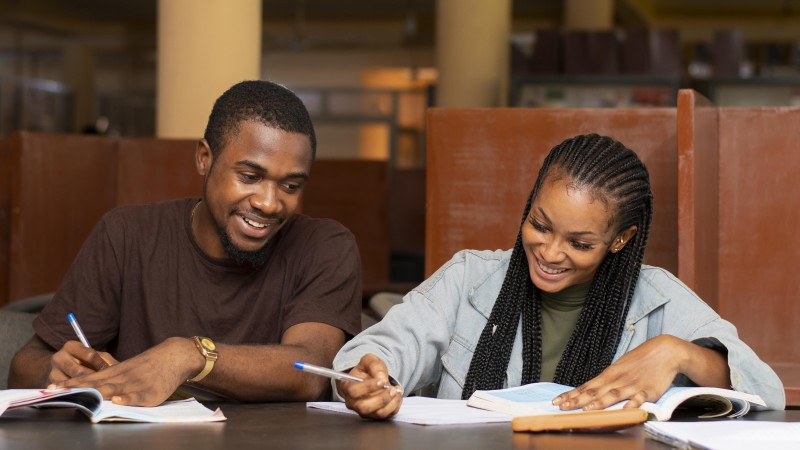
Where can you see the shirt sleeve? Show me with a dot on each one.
(748, 372)
(705, 342)
(90, 290)
(328, 286)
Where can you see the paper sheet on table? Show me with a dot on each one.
(429, 411)
(727, 434)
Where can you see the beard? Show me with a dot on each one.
(241, 257)
(254, 258)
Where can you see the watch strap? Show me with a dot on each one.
(209, 355)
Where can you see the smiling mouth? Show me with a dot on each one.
(254, 224)
(549, 270)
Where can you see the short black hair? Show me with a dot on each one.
(261, 101)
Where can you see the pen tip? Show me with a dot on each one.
(298, 365)
(70, 316)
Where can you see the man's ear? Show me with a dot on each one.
(203, 157)
(622, 239)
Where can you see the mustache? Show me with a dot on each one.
(256, 214)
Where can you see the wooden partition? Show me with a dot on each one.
(152, 170)
(355, 192)
(743, 252)
(482, 164)
(60, 186)
(698, 205)
(5, 217)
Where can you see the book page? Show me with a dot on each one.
(91, 403)
(428, 411)
(87, 399)
(536, 398)
(529, 399)
(189, 410)
(735, 404)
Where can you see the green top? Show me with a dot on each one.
(560, 312)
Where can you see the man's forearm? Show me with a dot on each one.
(267, 373)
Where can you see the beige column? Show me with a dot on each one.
(472, 52)
(79, 68)
(204, 47)
(588, 15)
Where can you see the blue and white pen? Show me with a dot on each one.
(325, 372)
(74, 322)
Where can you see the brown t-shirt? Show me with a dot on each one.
(141, 278)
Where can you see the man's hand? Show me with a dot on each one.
(75, 360)
(646, 372)
(369, 398)
(146, 379)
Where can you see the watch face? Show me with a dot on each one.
(207, 343)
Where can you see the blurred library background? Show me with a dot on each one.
(367, 70)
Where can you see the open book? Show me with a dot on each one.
(699, 402)
(90, 402)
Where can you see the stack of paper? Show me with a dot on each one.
(727, 434)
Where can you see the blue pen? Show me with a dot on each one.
(325, 372)
(74, 322)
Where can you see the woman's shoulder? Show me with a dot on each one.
(478, 263)
(469, 268)
(661, 280)
(486, 256)
(657, 286)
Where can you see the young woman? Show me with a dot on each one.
(570, 303)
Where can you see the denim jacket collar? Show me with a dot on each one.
(646, 297)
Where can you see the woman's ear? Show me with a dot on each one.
(622, 239)
(203, 157)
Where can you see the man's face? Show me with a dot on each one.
(251, 190)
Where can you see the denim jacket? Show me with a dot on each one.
(429, 339)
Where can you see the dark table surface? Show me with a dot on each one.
(292, 426)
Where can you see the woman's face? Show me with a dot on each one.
(568, 232)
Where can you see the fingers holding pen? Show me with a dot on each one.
(370, 399)
(75, 360)
(374, 397)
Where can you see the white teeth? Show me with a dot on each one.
(254, 224)
(550, 271)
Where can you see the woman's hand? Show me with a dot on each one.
(370, 398)
(646, 372)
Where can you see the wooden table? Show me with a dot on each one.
(292, 426)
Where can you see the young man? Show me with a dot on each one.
(219, 295)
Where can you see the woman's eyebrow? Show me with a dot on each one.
(571, 233)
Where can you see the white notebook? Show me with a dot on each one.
(428, 411)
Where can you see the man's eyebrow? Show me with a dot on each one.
(253, 165)
(262, 170)
(571, 233)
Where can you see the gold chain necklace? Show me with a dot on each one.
(194, 210)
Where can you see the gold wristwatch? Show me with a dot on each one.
(209, 351)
